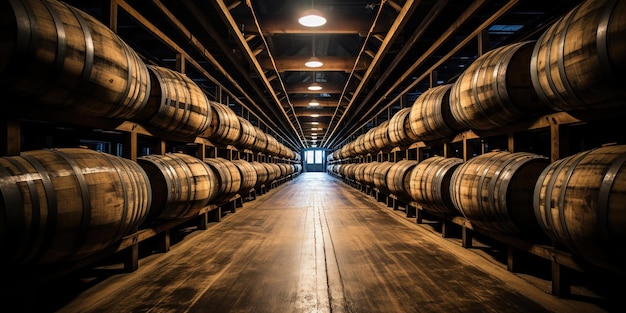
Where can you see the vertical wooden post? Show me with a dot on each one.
(10, 138)
(130, 146)
(483, 42)
(560, 280)
(466, 237)
(164, 241)
(512, 259)
(511, 142)
(559, 138)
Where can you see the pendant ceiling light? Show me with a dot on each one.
(314, 86)
(313, 62)
(314, 103)
(312, 18)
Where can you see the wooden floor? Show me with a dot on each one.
(313, 244)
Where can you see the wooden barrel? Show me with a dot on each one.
(66, 204)
(368, 173)
(578, 63)
(273, 172)
(260, 140)
(381, 137)
(284, 169)
(399, 179)
(347, 151)
(261, 173)
(181, 185)
(431, 117)
(248, 175)
(348, 170)
(369, 143)
(59, 57)
(496, 89)
(247, 136)
(495, 191)
(272, 147)
(400, 131)
(380, 176)
(430, 185)
(359, 172)
(359, 145)
(176, 105)
(580, 203)
(228, 178)
(225, 127)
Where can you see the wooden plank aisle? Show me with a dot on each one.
(316, 245)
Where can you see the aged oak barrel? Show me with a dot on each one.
(272, 147)
(248, 175)
(399, 179)
(247, 136)
(368, 173)
(369, 142)
(381, 137)
(228, 178)
(225, 127)
(176, 105)
(400, 131)
(430, 185)
(59, 57)
(380, 176)
(430, 117)
(260, 140)
(261, 173)
(181, 185)
(66, 204)
(580, 203)
(496, 89)
(494, 191)
(359, 172)
(273, 171)
(578, 63)
(359, 145)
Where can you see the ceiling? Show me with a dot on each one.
(379, 56)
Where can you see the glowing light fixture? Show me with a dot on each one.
(314, 103)
(313, 62)
(314, 123)
(315, 115)
(312, 18)
(314, 137)
(314, 87)
(314, 128)
(313, 134)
